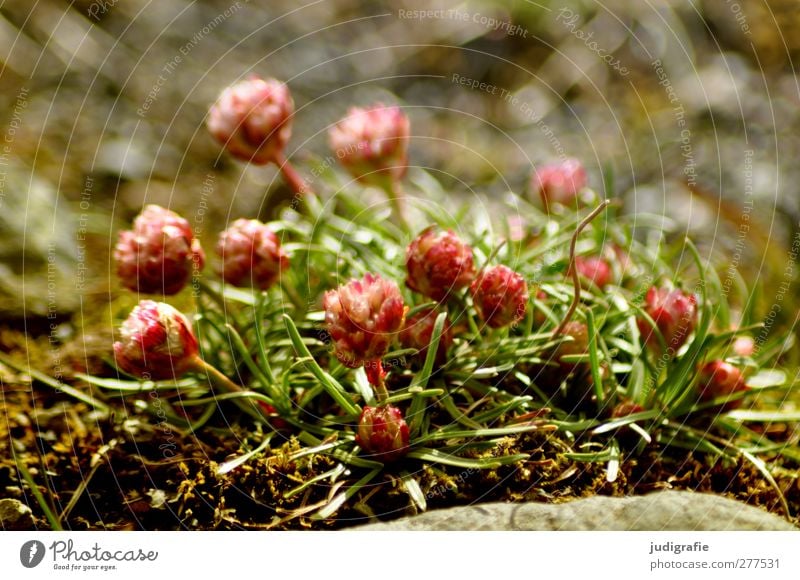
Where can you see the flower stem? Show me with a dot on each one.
(293, 178)
(376, 375)
(220, 381)
(394, 192)
(576, 281)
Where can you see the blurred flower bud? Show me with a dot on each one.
(156, 342)
(675, 315)
(383, 432)
(594, 269)
(720, 379)
(559, 183)
(158, 255)
(418, 332)
(372, 143)
(251, 254)
(253, 119)
(362, 318)
(744, 346)
(438, 263)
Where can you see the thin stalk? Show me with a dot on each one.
(376, 375)
(48, 512)
(576, 281)
(219, 380)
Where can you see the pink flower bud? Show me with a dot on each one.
(383, 432)
(253, 119)
(744, 346)
(675, 315)
(251, 254)
(500, 296)
(438, 263)
(362, 318)
(418, 332)
(158, 255)
(559, 183)
(720, 379)
(372, 143)
(595, 269)
(156, 342)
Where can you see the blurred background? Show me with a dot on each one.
(691, 107)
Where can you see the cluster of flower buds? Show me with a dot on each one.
(418, 332)
(438, 263)
(253, 119)
(500, 296)
(159, 254)
(251, 254)
(383, 432)
(156, 342)
(372, 143)
(720, 379)
(675, 314)
(559, 183)
(362, 318)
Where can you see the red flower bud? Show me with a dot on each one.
(251, 254)
(362, 317)
(383, 432)
(158, 255)
(156, 342)
(720, 379)
(372, 143)
(253, 119)
(418, 332)
(438, 263)
(559, 183)
(500, 296)
(675, 314)
(595, 269)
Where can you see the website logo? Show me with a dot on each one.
(31, 553)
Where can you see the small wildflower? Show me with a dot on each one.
(372, 143)
(383, 432)
(500, 296)
(418, 332)
(251, 254)
(362, 318)
(438, 263)
(156, 342)
(559, 183)
(675, 315)
(720, 379)
(595, 269)
(252, 119)
(159, 254)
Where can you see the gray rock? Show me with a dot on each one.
(38, 250)
(15, 515)
(667, 510)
